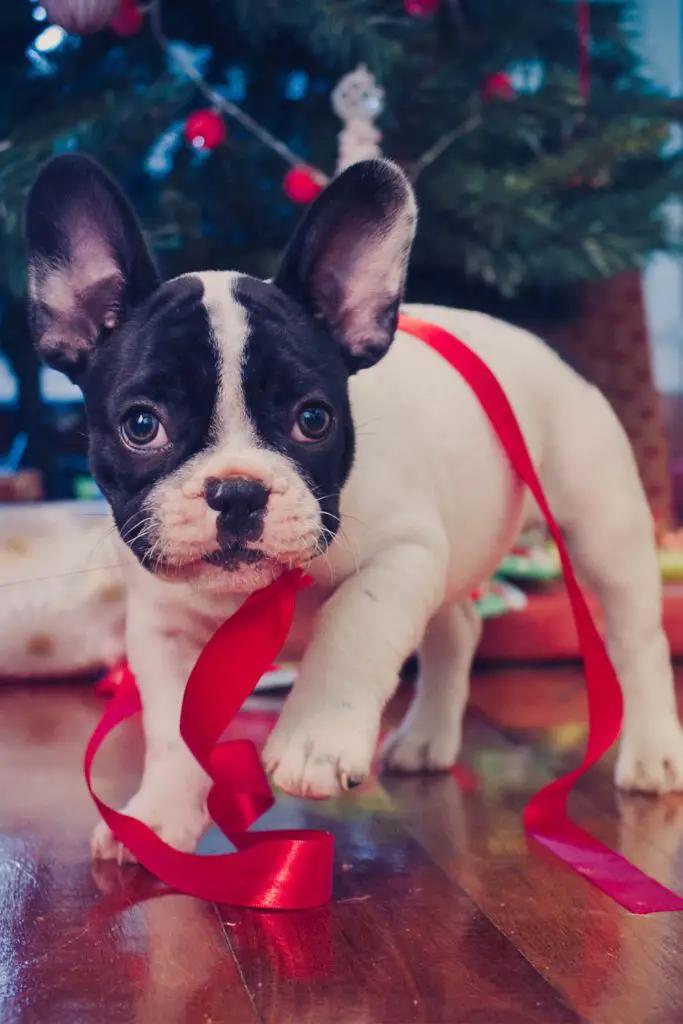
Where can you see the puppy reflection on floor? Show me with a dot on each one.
(651, 835)
(183, 961)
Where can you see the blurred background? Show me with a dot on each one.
(542, 137)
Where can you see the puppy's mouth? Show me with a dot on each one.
(234, 558)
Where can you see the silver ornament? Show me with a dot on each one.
(81, 17)
(357, 96)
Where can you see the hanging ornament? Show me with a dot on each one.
(357, 100)
(497, 87)
(81, 17)
(303, 184)
(128, 19)
(421, 8)
(205, 129)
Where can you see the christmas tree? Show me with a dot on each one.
(536, 145)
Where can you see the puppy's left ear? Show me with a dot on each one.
(88, 260)
(348, 258)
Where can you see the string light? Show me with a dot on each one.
(218, 101)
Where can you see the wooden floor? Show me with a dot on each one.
(443, 912)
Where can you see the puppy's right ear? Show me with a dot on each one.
(88, 260)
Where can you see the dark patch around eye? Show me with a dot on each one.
(161, 354)
(291, 361)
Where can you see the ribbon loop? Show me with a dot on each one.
(277, 870)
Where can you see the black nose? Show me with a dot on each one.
(240, 504)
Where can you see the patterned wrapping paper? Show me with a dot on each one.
(62, 603)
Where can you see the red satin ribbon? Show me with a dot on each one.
(545, 816)
(293, 869)
(276, 870)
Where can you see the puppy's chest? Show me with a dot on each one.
(199, 616)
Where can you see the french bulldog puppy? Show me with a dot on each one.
(241, 427)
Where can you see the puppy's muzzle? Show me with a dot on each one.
(241, 507)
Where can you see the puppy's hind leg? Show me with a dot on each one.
(598, 498)
(429, 737)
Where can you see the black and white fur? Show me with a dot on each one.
(399, 504)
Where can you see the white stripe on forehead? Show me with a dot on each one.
(231, 427)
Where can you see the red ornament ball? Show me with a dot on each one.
(81, 17)
(205, 129)
(128, 19)
(303, 184)
(498, 87)
(421, 8)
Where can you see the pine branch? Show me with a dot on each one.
(97, 123)
(535, 192)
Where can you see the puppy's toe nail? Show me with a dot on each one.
(124, 856)
(669, 774)
(351, 781)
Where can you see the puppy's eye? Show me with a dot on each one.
(313, 423)
(142, 428)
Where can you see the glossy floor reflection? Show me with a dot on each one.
(442, 911)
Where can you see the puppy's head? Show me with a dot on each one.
(220, 427)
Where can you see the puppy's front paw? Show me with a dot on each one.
(651, 757)
(320, 755)
(180, 826)
(421, 747)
